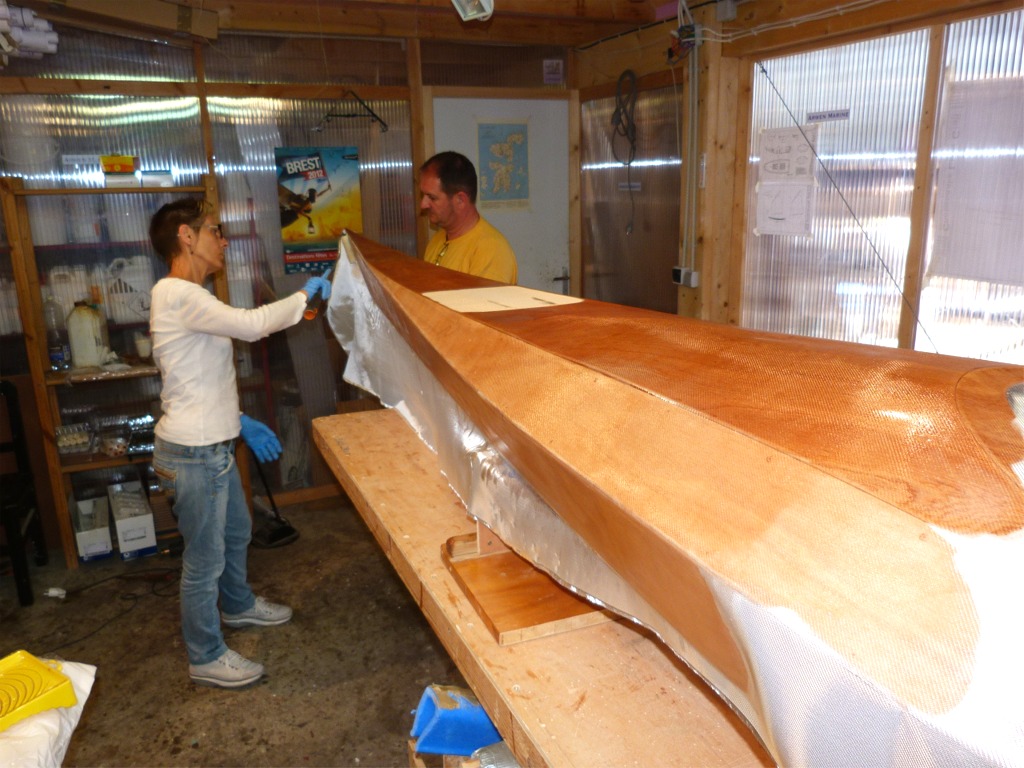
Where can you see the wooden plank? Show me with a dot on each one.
(552, 23)
(770, 28)
(922, 201)
(575, 138)
(644, 51)
(597, 696)
(177, 19)
(473, 92)
(26, 279)
(729, 250)
(720, 245)
(77, 86)
(170, 89)
(421, 119)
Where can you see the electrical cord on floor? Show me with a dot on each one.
(158, 578)
(624, 125)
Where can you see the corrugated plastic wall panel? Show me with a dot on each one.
(99, 56)
(631, 213)
(972, 302)
(246, 131)
(56, 140)
(843, 280)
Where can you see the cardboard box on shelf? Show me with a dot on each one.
(92, 528)
(133, 520)
(119, 163)
(118, 180)
(157, 179)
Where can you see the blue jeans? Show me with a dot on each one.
(214, 521)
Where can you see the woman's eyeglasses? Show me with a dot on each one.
(217, 231)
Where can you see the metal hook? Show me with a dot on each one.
(367, 113)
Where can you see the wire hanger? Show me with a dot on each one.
(367, 112)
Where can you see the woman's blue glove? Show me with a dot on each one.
(261, 439)
(315, 284)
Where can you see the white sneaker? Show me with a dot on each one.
(229, 670)
(263, 614)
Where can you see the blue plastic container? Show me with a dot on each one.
(450, 721)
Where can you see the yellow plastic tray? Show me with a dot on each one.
(28, 686)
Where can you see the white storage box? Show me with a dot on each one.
(92, 528)
(133, 520)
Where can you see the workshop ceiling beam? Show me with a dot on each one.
(539, 22)
(162, 17)
(762, 28)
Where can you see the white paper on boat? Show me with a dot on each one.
(499, 298)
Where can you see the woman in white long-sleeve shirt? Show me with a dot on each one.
(195, 436)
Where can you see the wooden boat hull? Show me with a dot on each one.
(791, 514)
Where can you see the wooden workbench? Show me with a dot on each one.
(604, 695)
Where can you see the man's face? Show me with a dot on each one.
(435, 202)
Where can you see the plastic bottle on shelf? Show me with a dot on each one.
(96, 294)
(85, 333)
(56, 333)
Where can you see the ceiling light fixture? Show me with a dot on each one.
(474, 10)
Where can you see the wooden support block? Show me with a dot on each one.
(516, 601)
(415, 760)
(483, 542)
(487, 542)
(418, 760)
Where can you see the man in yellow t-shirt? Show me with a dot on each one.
(464, 240)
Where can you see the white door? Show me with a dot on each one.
(529, 205)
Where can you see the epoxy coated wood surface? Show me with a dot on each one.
(697, 460)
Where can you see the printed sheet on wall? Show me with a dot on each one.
(318, 197)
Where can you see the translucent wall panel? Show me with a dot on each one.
(631, 214)
(246, 131)
(56, 141)
(842, 279)
(972, 302)
(466, 64)
(305, 59)
(97, 56)
(295, 376)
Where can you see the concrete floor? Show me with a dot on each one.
(343, 677)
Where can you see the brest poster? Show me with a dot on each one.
(318, 196)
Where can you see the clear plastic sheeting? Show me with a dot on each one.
(972, 300)
(844, 280)
(278, 387)
(84, 54)
(56, 140)
(631, 215)
(806, 699)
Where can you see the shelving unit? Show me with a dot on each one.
(51, 385)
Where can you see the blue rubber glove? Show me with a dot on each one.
(261, 439)
(315, 284)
